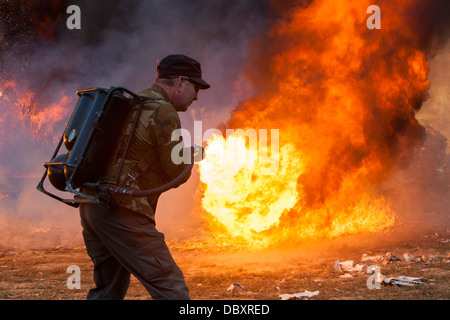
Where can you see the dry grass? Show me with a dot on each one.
(265, 275)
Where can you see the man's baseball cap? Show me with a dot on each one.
(181, 65)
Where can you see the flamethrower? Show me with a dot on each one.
(93, 137)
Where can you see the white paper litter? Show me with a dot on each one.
(403, 281)
(306, 294)
(235, 286)
(347, 266)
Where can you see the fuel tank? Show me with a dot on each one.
(92, 136)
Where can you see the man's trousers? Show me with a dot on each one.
(121, 242)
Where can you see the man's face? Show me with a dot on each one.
(186, 93)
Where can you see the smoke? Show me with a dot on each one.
(43, 63)
(420, 190)
(412, 153)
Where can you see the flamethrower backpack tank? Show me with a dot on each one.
(92, 139)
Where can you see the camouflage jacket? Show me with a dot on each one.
(149, 153)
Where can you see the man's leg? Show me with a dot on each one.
(111, 278)
(158, 272)
(136, 244)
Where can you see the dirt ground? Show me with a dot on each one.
(211, 271)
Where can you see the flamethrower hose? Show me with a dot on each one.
(145, 193)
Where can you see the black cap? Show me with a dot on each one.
(181, 65)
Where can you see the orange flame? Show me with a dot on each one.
(21, 107)
(344, 100)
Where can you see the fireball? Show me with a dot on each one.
(344, 100)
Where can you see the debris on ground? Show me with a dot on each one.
(235, 287)
(403, 281)
(306, 294)
(372, 264)
(400, 280)
(420, 273)
(388, 258)
(348, 266)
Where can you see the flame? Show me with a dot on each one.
(238, 182)
(344, 100)
(24, 108)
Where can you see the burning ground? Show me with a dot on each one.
(361, 151)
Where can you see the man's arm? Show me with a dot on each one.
(166, 121)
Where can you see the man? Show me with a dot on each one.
(122, 239)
